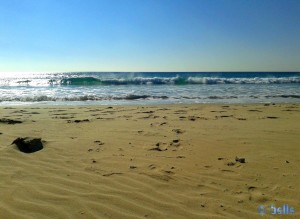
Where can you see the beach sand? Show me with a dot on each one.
(164, 161)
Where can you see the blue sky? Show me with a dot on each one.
(149, 35)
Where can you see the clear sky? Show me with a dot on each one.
(149, 35)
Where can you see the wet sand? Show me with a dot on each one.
(165, 161)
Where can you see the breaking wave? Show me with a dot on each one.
(83, 81)
(148, 78)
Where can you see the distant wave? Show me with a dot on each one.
(283, 96)
(256, 80)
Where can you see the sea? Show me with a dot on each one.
(144, 88)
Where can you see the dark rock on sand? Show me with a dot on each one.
(28, 145)
(240, 160)
(272, 117)
(192, 118)
(78, 120)
(9, 121)
(148, 111)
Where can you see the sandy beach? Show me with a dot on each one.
(163, 161)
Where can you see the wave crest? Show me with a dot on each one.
(175, 81)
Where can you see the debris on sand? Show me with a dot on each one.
(29, 145)
(9, 121)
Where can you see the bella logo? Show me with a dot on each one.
(285, 209)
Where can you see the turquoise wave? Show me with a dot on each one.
(83, 81)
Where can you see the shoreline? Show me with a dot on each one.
(145, 105)
(153, 161)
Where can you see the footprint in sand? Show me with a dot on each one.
(159, 173)
(152, 166)
(254, 110)
(78, 121)
(175, 143)
(110, 174)
(99, 142)
(163, 123)
(160, 146)
(178, 131)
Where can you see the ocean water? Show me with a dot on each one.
(123, 88)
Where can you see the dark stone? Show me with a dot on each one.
(192, 118)
(28, 145)
(78, 120)
(240, 160)
(84, 120)
(9, 121)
